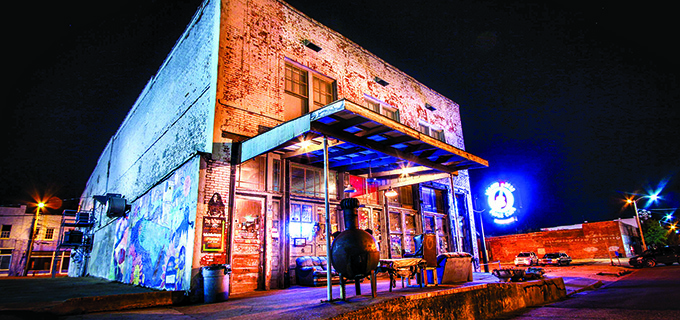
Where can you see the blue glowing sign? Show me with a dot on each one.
(502, 202)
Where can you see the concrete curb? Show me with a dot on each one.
(593, 286)
(114, 303)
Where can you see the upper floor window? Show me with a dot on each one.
(49, 234)
(251, 174)
(300, 84)
(5, 258)
(6, 230)
(433, 200)
(404, 198)
(431, 131)
(384, 109)
(309, 182)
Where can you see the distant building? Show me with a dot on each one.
(221, 158)
(594, 240)
(17, 226)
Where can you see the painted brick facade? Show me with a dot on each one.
(169, 125)
(596, 240)
(172, 156)
(258, 37)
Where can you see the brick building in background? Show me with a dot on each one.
(221, 158)
(594, 240)
(17, 226)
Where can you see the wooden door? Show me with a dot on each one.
(276, 281)
(247, 255)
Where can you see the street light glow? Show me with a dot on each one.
(654, 197)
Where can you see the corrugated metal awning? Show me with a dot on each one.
(362, 143)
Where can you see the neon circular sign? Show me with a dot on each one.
(502, 202)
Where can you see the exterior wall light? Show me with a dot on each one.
(350, 189)
(391, 193)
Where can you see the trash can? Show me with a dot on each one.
(215, 282)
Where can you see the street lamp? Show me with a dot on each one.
(637, 216)
(29, 250)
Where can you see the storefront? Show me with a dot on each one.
(280, 197)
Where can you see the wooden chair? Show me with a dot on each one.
(426, 248)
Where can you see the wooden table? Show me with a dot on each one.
(404, 268)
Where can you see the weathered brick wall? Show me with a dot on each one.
(216, 177)
(592, 241)
(171, 121)
(256, 39)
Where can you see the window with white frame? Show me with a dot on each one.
(431, 131)
(300, 85)
(383, 109)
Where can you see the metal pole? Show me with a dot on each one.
(485, 254)
(637, 217)
(58, 249)
(329, 284)
(29, 250)
(456, 226)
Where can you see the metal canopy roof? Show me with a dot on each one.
(362, 143)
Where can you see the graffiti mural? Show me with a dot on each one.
(152, 242)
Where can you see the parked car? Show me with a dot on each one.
(556, 258)
(526, 258)
(650, 258)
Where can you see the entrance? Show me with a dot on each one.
(247, 255)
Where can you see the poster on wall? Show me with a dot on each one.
(212, 237)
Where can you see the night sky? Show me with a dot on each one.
(575, 103)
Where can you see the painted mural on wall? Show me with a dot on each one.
(154, 243)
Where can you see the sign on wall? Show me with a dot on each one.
(501, 202)
(213, 234)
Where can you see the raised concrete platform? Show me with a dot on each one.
(483, 298)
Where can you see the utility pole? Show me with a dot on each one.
(29, 250)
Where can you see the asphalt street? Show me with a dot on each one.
(649, 293)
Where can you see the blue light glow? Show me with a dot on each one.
(502, 202)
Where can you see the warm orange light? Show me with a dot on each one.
(46, 201)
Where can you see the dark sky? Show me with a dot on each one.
(575, 103)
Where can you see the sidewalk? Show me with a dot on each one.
(33, 298)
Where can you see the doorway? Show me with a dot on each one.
(248, 254)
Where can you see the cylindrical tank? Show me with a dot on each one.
(354, 253)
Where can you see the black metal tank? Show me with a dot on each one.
(354, 252)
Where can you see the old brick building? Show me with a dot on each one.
(222, 158)
(18, 226)
(594, 240)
